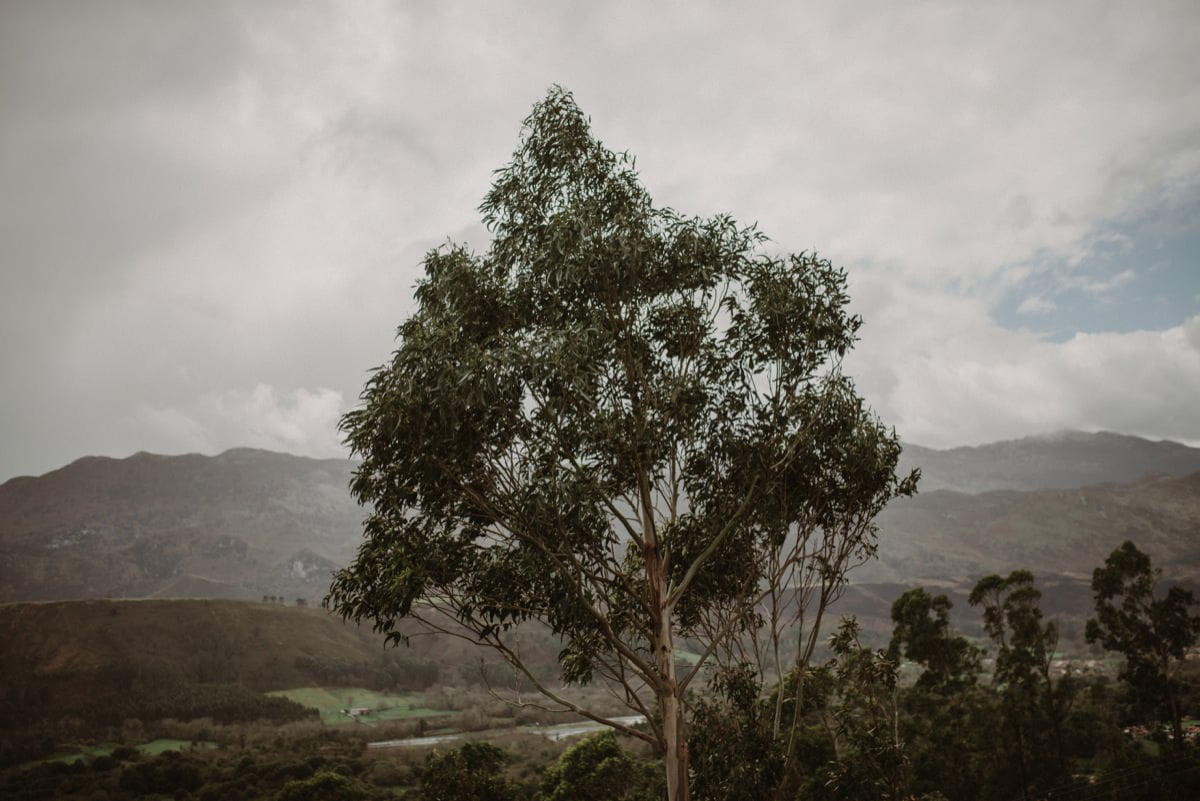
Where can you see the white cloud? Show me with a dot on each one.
(967, 381)
(1104, 286)
(302, 422)
(1096, 287)
(1035, 305)
(1191, 332)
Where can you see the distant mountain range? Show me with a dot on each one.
(944, 534)
(1063, 460)
(244, 524)
(249, 523)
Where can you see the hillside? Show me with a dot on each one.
(1063, 460)
(250, 524)
(111, 642)
(244, 524)
(78, 650)
(942, 534)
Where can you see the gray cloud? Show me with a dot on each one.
(206, 204)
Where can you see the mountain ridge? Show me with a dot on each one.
(1068, 532)
(249, 523)
(1056, 460)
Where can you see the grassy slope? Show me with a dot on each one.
(151, 748)
(79, 649)
(331, 701)
(250, 643)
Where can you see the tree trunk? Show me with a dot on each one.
(670, 705)
(1022, 773)
(1176, 717)
(675, 756)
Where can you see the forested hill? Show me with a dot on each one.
(262, 645)
(79, 654)
(250, 524)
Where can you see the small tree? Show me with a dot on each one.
(1033, 703)
(596, 767)
(1153, 634)
(471, 772)
(941, 711)
(734, 752)
(324, 785)
(624, 423)
(870, 758)
(922, 634)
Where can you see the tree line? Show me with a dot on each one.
(1024, 727)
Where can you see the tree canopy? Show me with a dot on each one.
(1152, 631)
(627, 424)
(1034, 704)
(922, 634)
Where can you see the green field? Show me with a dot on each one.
(330, 701)
(152, 748)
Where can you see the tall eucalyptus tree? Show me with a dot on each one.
(624, 423)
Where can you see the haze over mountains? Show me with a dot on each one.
(249, 523)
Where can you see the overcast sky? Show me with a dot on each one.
(212, 215)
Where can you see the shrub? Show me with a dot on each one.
(324, 786)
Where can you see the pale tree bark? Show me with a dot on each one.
(667, 687)
(675, 750)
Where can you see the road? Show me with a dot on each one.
(559, 732)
